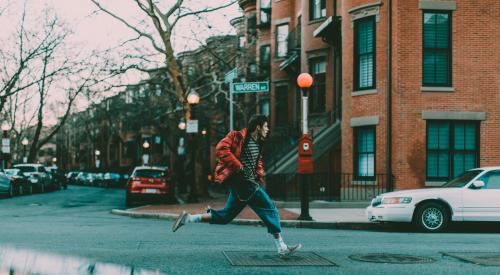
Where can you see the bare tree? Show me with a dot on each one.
(19, 55)
(164, 20)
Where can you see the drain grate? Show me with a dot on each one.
(267, 258)
(391, 258)
(480, 258)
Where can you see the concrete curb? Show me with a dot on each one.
(284, 223)
(324, 204)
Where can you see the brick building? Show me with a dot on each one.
(402, 88)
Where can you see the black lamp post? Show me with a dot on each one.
(5, 129)
(193, 99)
(24, 142)
(97, 160)
(305, 165)
(145, 155)
(181, 152)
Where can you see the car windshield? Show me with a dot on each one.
(11, 172)
(463, 179)
(26, 168)
(149, 173)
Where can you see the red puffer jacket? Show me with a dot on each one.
(228, 150)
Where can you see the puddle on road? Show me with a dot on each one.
(24, 261)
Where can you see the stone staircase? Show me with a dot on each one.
(322, 143)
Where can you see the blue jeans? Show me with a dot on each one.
(260, 203)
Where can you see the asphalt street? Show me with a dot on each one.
(77, 222)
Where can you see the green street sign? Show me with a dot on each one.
(250, 87)
(232, 74)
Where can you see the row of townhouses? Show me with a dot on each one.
(404, 94)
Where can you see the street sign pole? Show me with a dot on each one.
(228, 78)
(231, 107)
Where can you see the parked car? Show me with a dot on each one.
(71, 177)
(21, 184)
(60, 180)
(472, 196)
(37, 175)
(81, 178)
(149, 182)
(112, 179)
(6, 187)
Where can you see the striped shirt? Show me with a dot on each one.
(249, 157)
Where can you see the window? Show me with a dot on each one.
(252, 69)
(317, 96)
(491, 180)
(129, 97)
(317, 9)
(281, 96)
(191, 73)
(241, 42)
(364, 152)
(364, 53)
(264, 107)
(252, 24)
(437, 49)
(452, 148)
(282, 40)
(265, 12)
(265, 59)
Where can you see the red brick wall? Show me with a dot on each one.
(364, 105)
(476, 59)
(475, 56)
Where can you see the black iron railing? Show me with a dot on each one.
(327, 187)
(294, 40)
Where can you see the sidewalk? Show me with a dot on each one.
(325, 215)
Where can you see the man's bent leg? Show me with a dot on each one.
(264, 207)
(232, 208)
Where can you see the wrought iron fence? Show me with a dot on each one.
(327, 187)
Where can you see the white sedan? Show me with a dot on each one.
(473, 196)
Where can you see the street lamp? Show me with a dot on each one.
(5, 142)
(54, 160)
(182, 125)
(145, 156)
(193, 99)
(305, 150)
(24, 142)
(97, 160)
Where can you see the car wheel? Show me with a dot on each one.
(432, 217)
(10, 192)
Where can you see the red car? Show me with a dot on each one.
(147, 182)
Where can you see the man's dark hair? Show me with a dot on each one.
(256, 120)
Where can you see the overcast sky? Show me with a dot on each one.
(97, 30)
(100, 30)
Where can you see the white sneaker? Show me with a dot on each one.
(180, 221)
(289, 251)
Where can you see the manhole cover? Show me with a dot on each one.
(267, 258)
(391, 258)
(481, 258)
